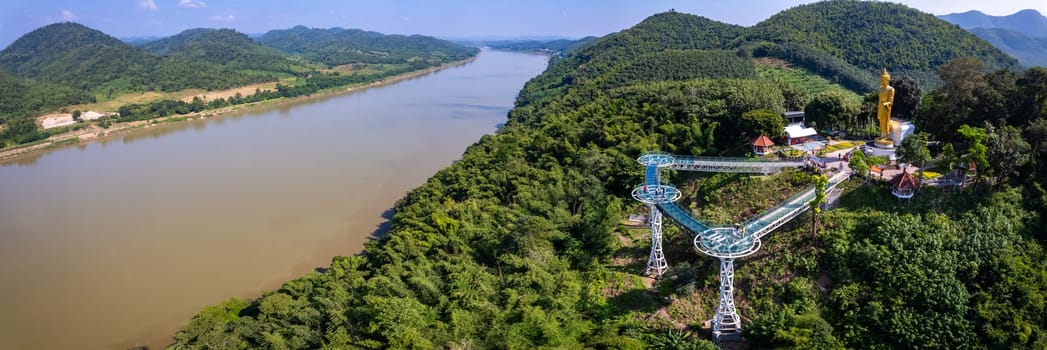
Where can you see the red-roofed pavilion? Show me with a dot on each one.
(762, 145)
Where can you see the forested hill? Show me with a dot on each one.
(872, 35)
(847, 42)
(75, 55)
(337, 46)
(225, 47)
(595, 63)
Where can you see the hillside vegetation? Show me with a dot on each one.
(225, 47)
(875, 35)
(518, 246)
(76, 56)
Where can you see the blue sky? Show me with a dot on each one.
(442, 18)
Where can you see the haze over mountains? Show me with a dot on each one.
(1022, 34)
(1028, 22)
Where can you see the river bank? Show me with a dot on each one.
(95, 132)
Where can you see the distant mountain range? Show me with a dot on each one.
(337, 46)
(86, 59)
(1028, 22)
(1022, 34)
(558, 46)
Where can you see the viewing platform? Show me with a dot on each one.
(724, 242)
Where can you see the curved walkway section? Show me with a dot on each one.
(717, 240)
(777, 216)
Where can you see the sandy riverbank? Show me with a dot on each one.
(94, 132)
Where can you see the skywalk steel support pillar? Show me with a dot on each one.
(727, 325)
(656, 264)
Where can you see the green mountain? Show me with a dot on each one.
(338, 46)
(595, 64)
(1029, 22)
(824, 38)
(224, 47)
(1030, 51)
(77, 56)
(874, 35)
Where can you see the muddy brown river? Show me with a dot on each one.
(114, 244)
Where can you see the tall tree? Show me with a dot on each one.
(832, 110)
(1033, 86)
(942, 112)
(976, 150)
(761, 122)
(907, 95)
(914, 150)
(1006, 150)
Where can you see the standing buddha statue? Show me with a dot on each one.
(883, 110)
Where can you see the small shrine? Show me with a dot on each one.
(762, 145)
(904, 185)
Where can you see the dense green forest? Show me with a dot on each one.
(337, 46)
(228, 48)
(65, 64)
(79, 57)
(518, 245)
(874, 35)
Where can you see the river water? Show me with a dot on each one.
(114, 244)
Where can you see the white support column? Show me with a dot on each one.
(656, 264)
(727, 325)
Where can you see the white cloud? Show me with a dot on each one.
(192, 4)
(402, 18)
(228, 18)
(147, 4)
(68, 15)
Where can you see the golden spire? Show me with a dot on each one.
(885, 74)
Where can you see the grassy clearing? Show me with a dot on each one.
(67, 141)
(842, 145)
(927, 174)
(813, 84)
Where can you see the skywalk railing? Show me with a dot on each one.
(788, 210)
(734, 165)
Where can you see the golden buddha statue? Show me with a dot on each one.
(883, 110)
